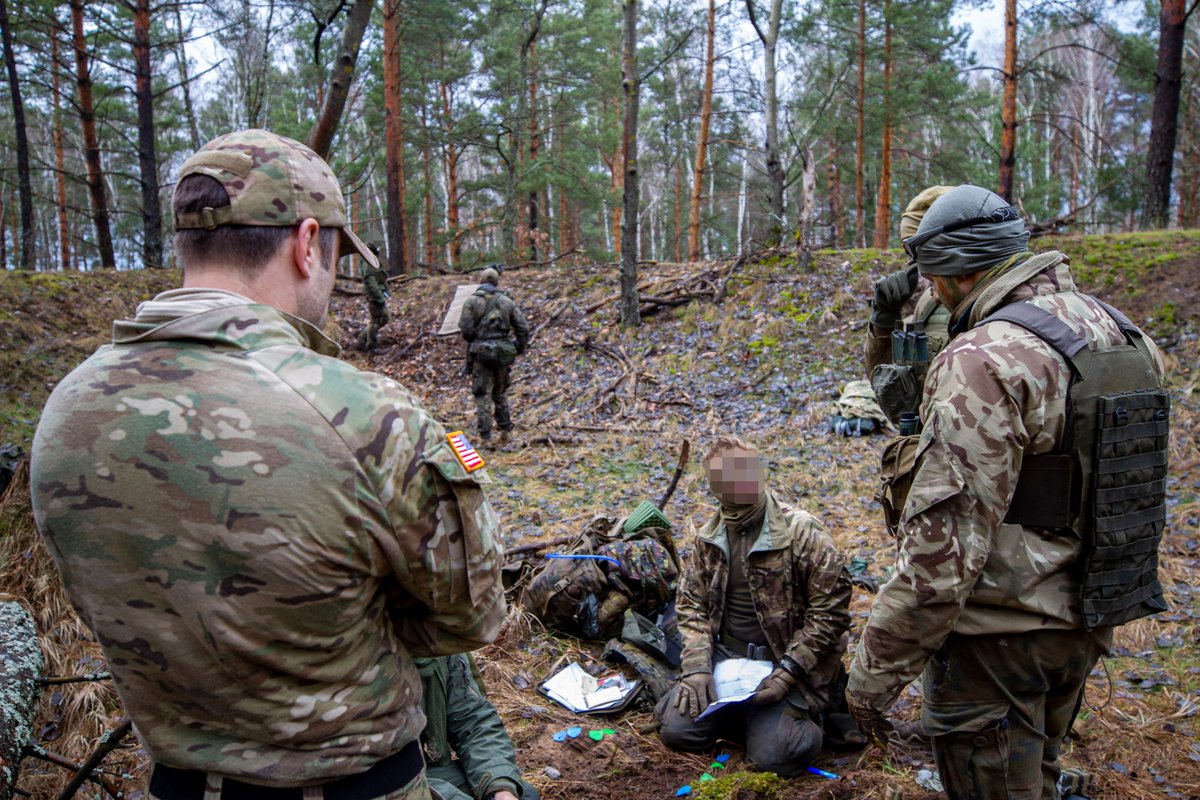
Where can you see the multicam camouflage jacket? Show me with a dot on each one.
(462, 722)
(262, 537)
(996, 393)
(801, 593)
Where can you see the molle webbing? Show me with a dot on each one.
(1107, 482)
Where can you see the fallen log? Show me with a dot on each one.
(21, 665)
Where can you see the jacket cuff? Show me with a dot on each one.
(500, 785)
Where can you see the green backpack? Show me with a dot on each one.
(586, 587)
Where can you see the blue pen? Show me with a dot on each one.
(823, 773)
(583, 556)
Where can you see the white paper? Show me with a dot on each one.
(736, 679)
(580, 692)
(450, 322)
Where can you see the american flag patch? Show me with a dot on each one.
(467, 456)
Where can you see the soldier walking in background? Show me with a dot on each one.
(261, 536)
(767, 579)
(1004, 593)
(496, 333)
(375, 286)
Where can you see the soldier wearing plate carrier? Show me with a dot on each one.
(496, 333)
(1033, 509)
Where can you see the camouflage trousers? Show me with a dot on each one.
(489, 385)
(780, 738)
(379, 317)
(999, 706)
(449, 782)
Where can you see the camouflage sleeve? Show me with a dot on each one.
(695, 626)
(821, 571)
(520, 328)
(878, 349)
(445, 551)
(967, 462)
(467, 323)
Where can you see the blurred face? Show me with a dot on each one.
(736, 477)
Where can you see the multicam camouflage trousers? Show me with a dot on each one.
(780, 738)
(999, 706)
(369, 338)
(489, 385)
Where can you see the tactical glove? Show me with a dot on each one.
(871, 722)
(891, 292)
(695, 693)
(773, 688)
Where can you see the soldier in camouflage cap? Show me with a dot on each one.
(261, 536)
(988, 609)
(765, 579)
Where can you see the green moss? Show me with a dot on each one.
(740, 786)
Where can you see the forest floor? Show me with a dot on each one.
(759, 347)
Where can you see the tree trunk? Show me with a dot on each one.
(808, 204)
(631, 83)
(341, 74)
(775, 171)
(834, 179)
(427, 166)
(883, 204)
(60, 174)
(21, 663)
(91, 142)
(702, 138)
(185, 81)
(24, 179)
(3, 235)
(677, 238)
(1008, 110)
(394, 135)
(860, 197)
(152, 246)
(1164, 119)
(534, 145)
(450, 152)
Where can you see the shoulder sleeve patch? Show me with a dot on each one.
(467, 455)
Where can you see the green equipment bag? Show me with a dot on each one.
(1107, 482)
(494, 352)
(585, 589)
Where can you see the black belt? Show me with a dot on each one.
(386, 776)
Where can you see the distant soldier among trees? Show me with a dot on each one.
(496, 333)
(376, 288)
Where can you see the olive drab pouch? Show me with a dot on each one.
(896, 389)
(494, 352)
(895, 478)
(1107, 482)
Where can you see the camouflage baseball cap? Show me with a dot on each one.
(271, 180)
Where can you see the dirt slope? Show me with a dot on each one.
(600, 416)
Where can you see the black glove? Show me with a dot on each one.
(891, 292)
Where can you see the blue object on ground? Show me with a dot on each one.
(822, 773)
